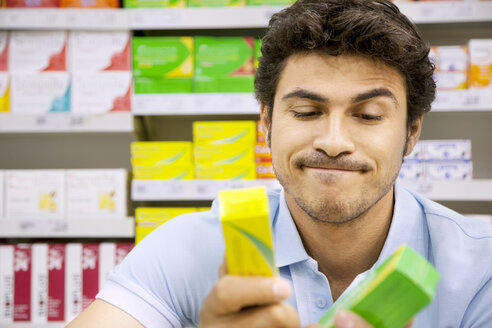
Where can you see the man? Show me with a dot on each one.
(343, 86)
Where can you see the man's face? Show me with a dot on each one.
(338, 133)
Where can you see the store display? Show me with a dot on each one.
(481, 63)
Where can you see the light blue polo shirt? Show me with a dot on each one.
(164, 280)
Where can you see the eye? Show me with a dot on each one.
(367, 117)
(306, 114)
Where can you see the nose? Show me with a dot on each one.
(334, 136)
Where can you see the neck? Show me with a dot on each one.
(344, 250)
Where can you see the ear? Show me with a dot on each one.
(413, 134)
(265, 122)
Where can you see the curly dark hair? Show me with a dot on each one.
(375, 29)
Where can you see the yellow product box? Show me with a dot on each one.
(225, 172)
(4, 92)
(247, 233)
(481, 63)
(166, 172)
(214, 133)
(161, 152)
(148, 219)
(239, 155)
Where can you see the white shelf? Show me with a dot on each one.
(471, 190)
(155, 190)
(64, 19)
(66, 122)
(211, 17)
(195, 104)
(463, 100)
(67, 228)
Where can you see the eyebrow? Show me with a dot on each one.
(374, 93)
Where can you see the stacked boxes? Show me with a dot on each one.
(451, 67)
(147, 219)
(162, 160)
(439, 160)
(60, 194)
(481, 63)
(263, 157)
(42, 283)
(163, 64)
(224, 149)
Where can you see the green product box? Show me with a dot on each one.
(216, 3)
(163, 57)
(257, 52)
(153, 3)
(269, 2)
(224, 64)
(392, 293)
(149, 85)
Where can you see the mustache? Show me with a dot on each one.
(341, 162)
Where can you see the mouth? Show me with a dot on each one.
(330, 169)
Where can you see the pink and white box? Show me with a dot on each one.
(22, 282)
(90, 273)
(99, 51)
(37, 51)
(4, 51)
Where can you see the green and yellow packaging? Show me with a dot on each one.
(216, 3)
(222, 172)
(162, 153)
(257, 52)
(224, 133)
(392, 293)
(224, 64)
(4, 92)
(153, 3)
(164, 172)
(148, 219)
(157, 85)
(247, 233)
(269, 2)
(239, 155)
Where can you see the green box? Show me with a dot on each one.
(392, 293)
(257, 52)
(269, 2)
(151, 85)
(224, 64)
(216, 3)
(163, 57)
(153, 3)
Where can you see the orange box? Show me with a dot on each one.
(89, 4)
(481, 63)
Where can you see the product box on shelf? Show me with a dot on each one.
(37, 51)
(7, 284)
(257, 52)
(157, 85)
(448, 170)
(447, 149)
(73, 280)
(264, 170)
(103, 92)
(219, 172)
(22, 282)
(99, 51)
(4, 92)
(35, 194)
(451, 66)
(164, 172)
(2, 194)
(481, 63)
(412, 170)
(151, 153)
(32, 3)
(216, 3)
(240, 154)
(147, 219)
(4, 51)
(89, 3)
(224, 64)
(154, 3)
(40, 93)
(96, 193)
(224, 133)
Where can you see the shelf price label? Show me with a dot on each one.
(40, 227)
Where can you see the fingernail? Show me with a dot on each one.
(344, 320)
(281, 289)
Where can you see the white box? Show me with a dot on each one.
(4, 55)
(107, 259)
(22, 282)
(39, 283)
(2, 194)
(6, 284)
(411, 170)
(417, 152)
(447, 149)
(90, 273)
(56, 282)
(451, 80)
(40, 93)
(480, 63)
(73, 281)
(100, 93)
(37, 51)
(35, 194)
(99, 51)
(449, 170)
(451, 58)
(96, 193)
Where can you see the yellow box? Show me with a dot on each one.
(247, 233)
(165, 172)
(4, 92)
(223, 133)
(219, 155)
(162, 153)
(219, 172)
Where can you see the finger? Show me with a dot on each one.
(347, 319)
(223, 268)
(233, 293)
(277, 315)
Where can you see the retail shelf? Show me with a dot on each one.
(67, 228)
(471, 190)
(155, 190)
(463, 100)
(195, 104)
(64, 19)
(34, 325)
(66, 122)
(448, 12)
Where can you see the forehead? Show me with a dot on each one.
(344, 75)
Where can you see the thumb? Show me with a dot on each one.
(347, 319)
